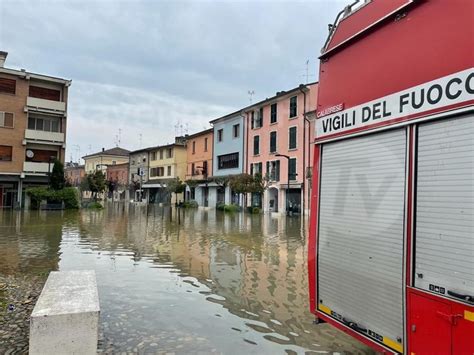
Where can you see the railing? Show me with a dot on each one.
(44, 136)
(34, 167)
(45, 104)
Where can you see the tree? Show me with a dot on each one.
(260, 183)
(175, 186)
(56, 179)
(94, 182)
(242, 183)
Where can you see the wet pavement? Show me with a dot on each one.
(172, 281)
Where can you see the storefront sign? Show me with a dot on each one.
(452, 89)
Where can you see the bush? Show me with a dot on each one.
(67, 195)
(256, 210)
(220, 206)
(95, 206)
(190, 204)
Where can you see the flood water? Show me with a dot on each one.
(198, 282)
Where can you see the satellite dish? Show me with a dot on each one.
(30, 154)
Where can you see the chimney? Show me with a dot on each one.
(3, 58)
(103, 149)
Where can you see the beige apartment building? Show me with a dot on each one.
(33, 118)
(166, 162)
(104, 158)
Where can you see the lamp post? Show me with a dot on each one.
(288, 180)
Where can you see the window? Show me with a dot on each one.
(220, 135)
(256, 168)
(292, 169)
(153, 156)
(292, 138)
(7, 86)
(273, 142)
(204, 167)
(273, 170)
(228, 161)
(194, 147)
(48, 124)
(5, 153)
(293, 106)
(169, 170)
(161, 154)
(252, 119)
(40, 156)
(114, 162)
(169, 153)
(273, 113)
(257, 118)
(236, 130)
(45, 93)
(193, 168)
(205, 144)
(6, 119)
(154, 172)
(256, 145)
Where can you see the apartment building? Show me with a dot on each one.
(74, 173)
(33, 118)
(102, 159)
(228, 156)
(199, 166)
(138, 174)
(117, 176)
(279, 133)
(166, 162)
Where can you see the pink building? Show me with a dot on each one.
(279, 132)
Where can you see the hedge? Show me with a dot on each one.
(68, 195)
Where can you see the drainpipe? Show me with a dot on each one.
(305, 119)
(245, 146)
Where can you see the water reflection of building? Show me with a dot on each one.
(30, 241)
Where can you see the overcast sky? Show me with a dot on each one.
(145, 67)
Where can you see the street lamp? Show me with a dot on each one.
(288, 181)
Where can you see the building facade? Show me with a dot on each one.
(280, 130)
(167, 162)
(106, 157)
(74, 173)
(117, 177)
(138, 174)
(199, 166)
(228, 157)
(33, 112)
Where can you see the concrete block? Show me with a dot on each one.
(65, 319)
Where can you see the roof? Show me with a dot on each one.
(27, 75)
(278, 95)
(207, 131)
(113, 151)
(260, 103)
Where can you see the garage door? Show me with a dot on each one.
(444, 244)
(361, 234)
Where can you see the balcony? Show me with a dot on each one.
(45, 105)
(38, 168)
(43, 136)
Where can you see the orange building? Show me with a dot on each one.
(199, 168)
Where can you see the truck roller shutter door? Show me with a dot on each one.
(361, 234)
(444, 239)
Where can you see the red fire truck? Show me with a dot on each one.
(391, 247)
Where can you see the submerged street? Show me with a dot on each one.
(198, 282)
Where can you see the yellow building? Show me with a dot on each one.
(100, 160)
(166, 163)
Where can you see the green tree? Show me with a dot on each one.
(260, 183)
(95, 183)
(242, 183)
(175, 186)
(56, 179)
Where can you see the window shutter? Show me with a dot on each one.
(8, 85)
(277, 168)
(251, 169)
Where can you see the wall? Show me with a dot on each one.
(92, 162)
(228, 144)
(200, 155)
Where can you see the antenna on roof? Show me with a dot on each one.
(140, 138)
(307, 75)
(120, 137)
(251, 93)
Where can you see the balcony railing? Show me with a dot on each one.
(34, 167)
(50, 105)
(44, 136)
